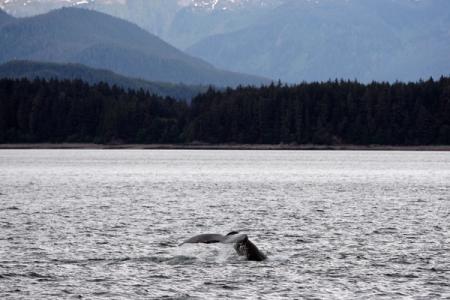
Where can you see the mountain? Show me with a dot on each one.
(293, 40)
(102, 41)
(201, 19)
(33, 7)
(180, 22)
(317, 40)
(32, 70)
(5, 18)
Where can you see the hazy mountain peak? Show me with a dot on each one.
(75, 35)
(315, 40)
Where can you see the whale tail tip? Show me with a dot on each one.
(232, 233)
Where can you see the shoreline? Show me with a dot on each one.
(87, 146)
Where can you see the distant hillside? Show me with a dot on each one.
(179, 22)
(31, 70)
(5, 18)
(318, 40)
(292, 40)
(101, 41)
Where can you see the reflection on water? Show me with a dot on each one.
(107, 224)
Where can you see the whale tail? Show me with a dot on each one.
(242, 244)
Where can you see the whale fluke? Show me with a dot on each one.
(242, 244)
(205, 238)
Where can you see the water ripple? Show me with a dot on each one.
(107, 224)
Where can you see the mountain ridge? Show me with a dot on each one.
(5, 18)
(16, 5)
(180, 22)
(303, 40)
(101, 41)
(71, 71)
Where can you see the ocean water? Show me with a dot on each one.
(106, 224)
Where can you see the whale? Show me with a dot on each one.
(241, 243)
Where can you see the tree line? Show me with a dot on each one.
(333, 112)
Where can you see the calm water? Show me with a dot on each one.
(106, 224)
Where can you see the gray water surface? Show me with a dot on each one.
(107, 224)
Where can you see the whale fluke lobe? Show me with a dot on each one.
(242, 244)
(205, 238)
(232, 233)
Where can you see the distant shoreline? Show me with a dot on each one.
(222, 147)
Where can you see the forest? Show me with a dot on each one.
(326, 113)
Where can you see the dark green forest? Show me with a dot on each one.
(334, 112)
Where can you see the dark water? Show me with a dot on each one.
(106, 224)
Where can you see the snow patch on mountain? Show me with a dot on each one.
(225, 4)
